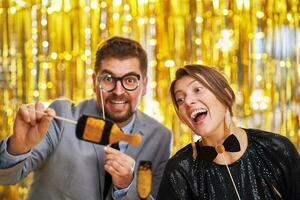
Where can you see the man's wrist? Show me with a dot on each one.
(14, 149)
(120, 193)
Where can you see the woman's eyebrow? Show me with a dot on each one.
(177, 91)
(190, 83)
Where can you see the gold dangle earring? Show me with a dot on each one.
(193, 143)
(227, 122)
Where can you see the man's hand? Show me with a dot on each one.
(30, 127)
(120, 166)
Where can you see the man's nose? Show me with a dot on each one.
(119, 88)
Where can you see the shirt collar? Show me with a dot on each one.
(129, 127)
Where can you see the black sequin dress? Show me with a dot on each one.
(269, 169)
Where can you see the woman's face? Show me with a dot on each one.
(198, 107)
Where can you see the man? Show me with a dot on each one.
(67, 168)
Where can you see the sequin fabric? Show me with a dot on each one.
(269, 169)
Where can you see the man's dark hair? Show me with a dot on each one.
(121, 48)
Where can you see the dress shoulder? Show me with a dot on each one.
(178, 176)
(280, 155)
(181, 160)
(269, 140)
(182, 153)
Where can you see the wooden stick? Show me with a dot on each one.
(56, 117)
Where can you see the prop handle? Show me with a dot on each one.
(56, 117)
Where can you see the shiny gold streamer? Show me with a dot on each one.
(47, 48)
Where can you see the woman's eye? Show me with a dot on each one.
(198, 89)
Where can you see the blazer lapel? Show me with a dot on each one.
(92, 110)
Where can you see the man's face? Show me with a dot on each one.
(120, 104)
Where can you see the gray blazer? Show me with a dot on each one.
(67, 168)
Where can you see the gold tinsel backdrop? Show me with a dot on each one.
(47, 49)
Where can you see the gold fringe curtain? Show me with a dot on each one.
(47, 48)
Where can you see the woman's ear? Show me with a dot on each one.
(227, 118)
(228, 92)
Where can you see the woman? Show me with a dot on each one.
(228, 162)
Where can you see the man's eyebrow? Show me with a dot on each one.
(105, 71)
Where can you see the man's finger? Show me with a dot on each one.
(116, 166)
(50, 112)
(39, 107)
(123, 160)
(23, 113)
(111, 153)
(32, 114)
(111, 170)
(110, 150)
(45, 121)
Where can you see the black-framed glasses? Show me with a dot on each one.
(129, 82)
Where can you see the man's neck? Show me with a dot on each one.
(127, 123)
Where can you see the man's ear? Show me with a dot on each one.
(94, 76)
(145, 82)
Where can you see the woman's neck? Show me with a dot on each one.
(232, 157)
(217, 138)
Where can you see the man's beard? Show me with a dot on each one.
(115, 117)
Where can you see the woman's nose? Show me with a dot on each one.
(190, 101)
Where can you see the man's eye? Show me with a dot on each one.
(179, 101)
(108, 79)
(130, 80)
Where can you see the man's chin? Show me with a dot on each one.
(119, 119)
